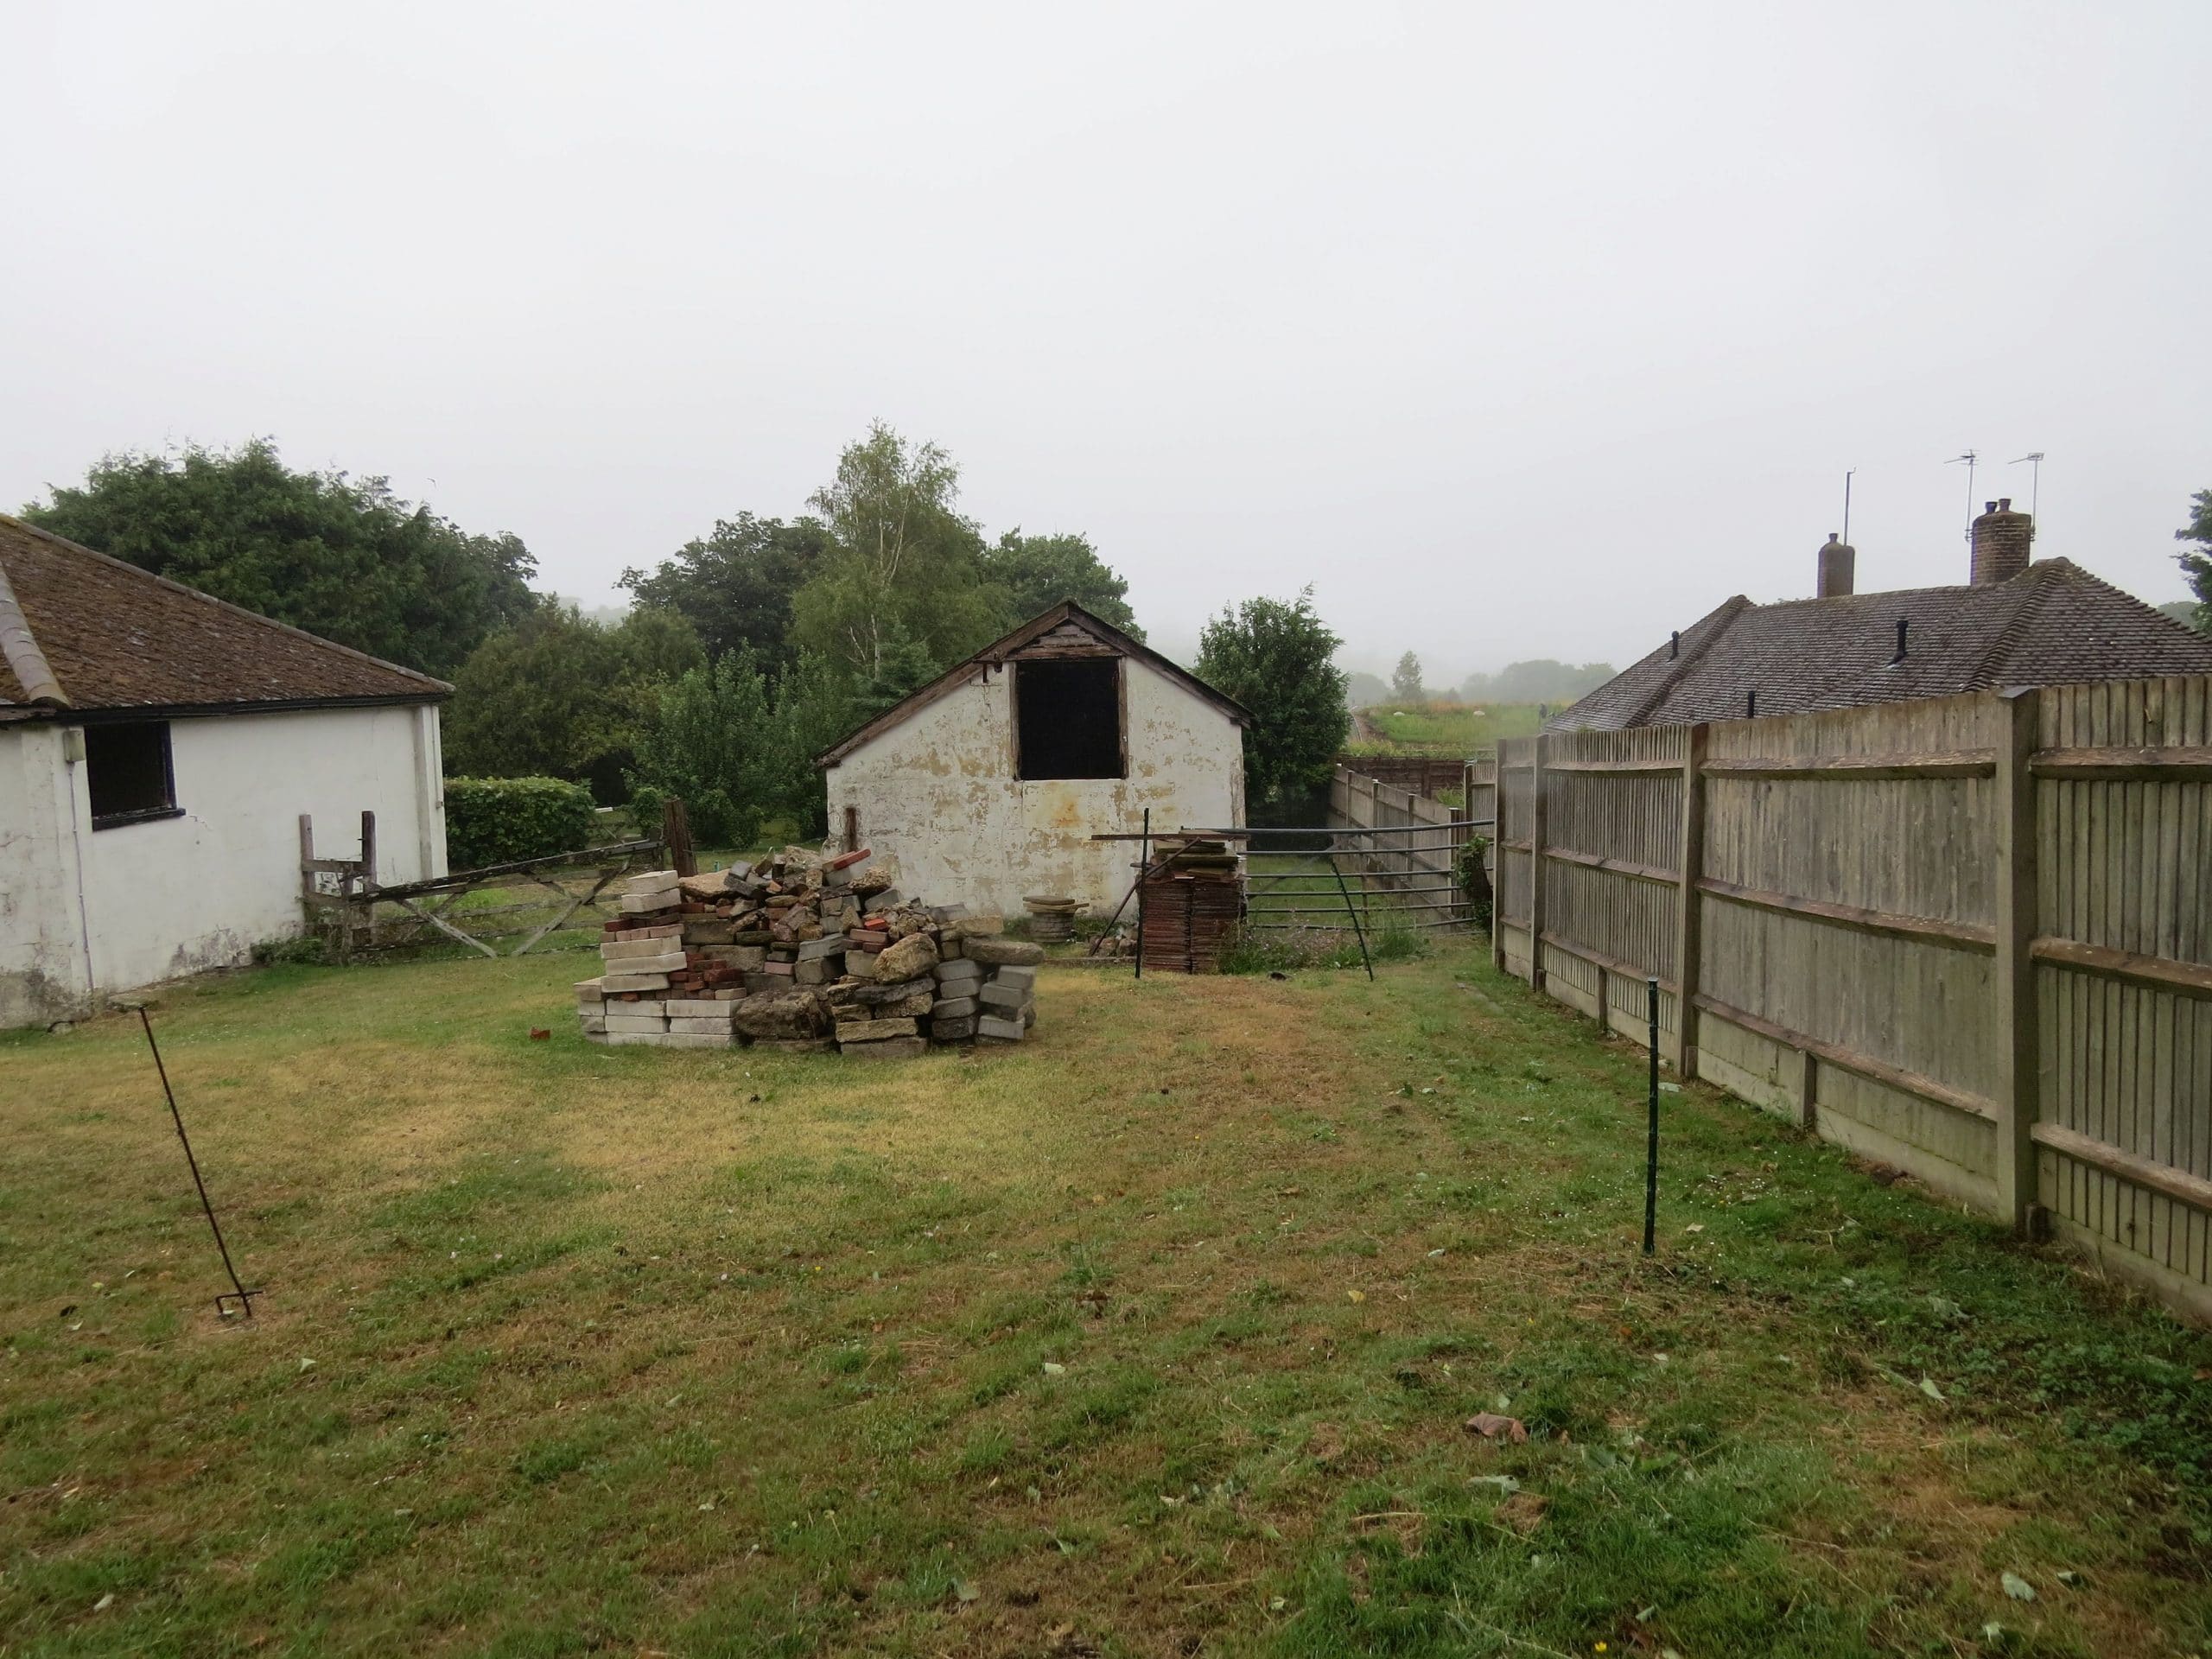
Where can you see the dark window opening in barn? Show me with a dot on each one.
(128, 774)
(1068, 718)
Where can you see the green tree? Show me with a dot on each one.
(902, 564)
(1036, 572)
(342, 558)
(556, 695)
(737, 751)
(1405, 680)
(1275, 657)
(709, 740)
(735, 586)
(2197, 562)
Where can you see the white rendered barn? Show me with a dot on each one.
(988, 783)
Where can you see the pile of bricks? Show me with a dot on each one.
(807, 952)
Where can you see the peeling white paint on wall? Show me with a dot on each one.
(939, 790)
(86, 914)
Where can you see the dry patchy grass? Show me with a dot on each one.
(1156, 1336)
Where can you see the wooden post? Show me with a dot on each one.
(2012, 974)
(1498, 862)
(1688, 944)
(676, 836)
(369, 849)
(1536, 817)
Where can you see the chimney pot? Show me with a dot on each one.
(1838, 569)
(2001, 537)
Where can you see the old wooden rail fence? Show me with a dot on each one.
(1971, 937)
(1422, 863)
(341, 896)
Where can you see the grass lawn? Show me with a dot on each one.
(1156, 1336)
(1449, 728)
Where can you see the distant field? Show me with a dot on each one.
(1447, 728)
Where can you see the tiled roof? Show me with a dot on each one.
(83, 632)
(2055, 623)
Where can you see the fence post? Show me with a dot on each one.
(1688, 944)
(676, 833)
(2012, 979)
(1497, 861)
(1540, 750)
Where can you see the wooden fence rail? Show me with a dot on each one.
(1970, 937)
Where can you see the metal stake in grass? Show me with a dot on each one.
(1651, 1135)
(238, 1292)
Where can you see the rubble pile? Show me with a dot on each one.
(805, 952)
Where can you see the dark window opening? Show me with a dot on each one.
(1068, 718)
(127, 774)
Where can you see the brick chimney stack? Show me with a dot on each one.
(1838, 566)
(2000, 544)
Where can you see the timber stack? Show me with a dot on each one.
(807, 952)
(1193, 903)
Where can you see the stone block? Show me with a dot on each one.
(952, 973)
(701, 1027)
(588, 989)
(885, 1048)
(695, 1039)
(650, 881)
(756, 983)
(1002, 953)
(636, 982)
(618, 1026)
(911, 958)
(814, 971)
(1011, 998)
(699, 1008)
(1001, 1031)
(644, 904)
(869, 1031)
(810, 949)
(980, 924)
(707, 930)
(958, 1030)
(668, 961)
(638, 949)
(796, 1013)
(1022, 978)
(953, 1007)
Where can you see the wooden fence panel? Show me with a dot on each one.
(2124, 903)
(1898, 911)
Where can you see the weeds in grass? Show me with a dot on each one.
(1257, 951)
(1155, 1335)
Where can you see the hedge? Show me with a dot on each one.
(498, 820)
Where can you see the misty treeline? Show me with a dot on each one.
(747, 651)
(1538, 680)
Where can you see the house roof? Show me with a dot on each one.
(2054, 624)
(1066, 630)
(81, 633)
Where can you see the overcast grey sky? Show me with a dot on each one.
(1518, 330)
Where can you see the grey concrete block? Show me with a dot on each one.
(1025, 978)
(952, 1030)
(1003, 1031)
(1011, 998)
(953, 1007)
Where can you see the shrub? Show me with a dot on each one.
(498, 820)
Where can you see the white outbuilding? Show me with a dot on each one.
(990, 782)
(157, 749)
